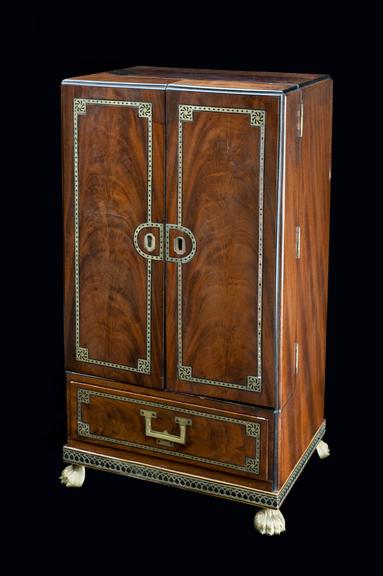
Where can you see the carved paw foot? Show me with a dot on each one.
(323, 450)
(269, 522)
(73, 476)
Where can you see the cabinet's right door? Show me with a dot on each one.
(221, 184)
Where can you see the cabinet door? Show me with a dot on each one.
(113, 202)
(221, 200)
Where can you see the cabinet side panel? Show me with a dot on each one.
(304, 376)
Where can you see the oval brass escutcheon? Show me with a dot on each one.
(181, 244)
(148, 240)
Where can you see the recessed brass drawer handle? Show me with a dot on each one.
(182, 422)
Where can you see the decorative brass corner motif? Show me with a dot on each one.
(186, 113)
(144, 110)
(254, 383)
(82, 354)
(257, 119)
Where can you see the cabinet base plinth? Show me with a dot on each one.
(162, 475)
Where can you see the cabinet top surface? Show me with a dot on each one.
(199, 78)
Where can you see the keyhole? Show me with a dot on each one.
(179, 245)
(149, 242)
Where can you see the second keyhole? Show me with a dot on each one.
(179, 245)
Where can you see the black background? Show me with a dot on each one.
(113, 520)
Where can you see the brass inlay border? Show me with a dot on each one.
(253, 429)
(186, 481)
(257, 119)
(144, 110)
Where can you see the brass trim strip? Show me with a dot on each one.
(296, 353)
(257, 119)
(192, 482)
(297, 242)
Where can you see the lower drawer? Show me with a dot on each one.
(212, 438)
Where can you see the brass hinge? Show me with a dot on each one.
(296, 346)
(300, 120)
(297, 242)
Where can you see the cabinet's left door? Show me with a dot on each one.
(113, 157)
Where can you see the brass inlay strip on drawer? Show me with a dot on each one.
(253, 429)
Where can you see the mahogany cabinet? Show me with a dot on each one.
(196, 226)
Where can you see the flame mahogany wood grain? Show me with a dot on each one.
(220, 204)
(221, 441)
(112, 203)
(221, 208)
